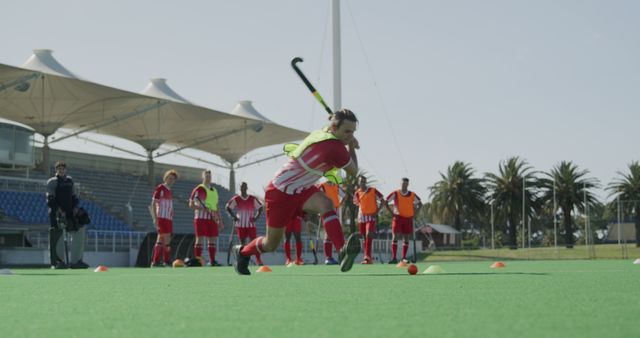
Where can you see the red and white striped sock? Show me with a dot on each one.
(157, 251)
(254, 247)
(287, 249)
(197, 250)
(212, 252)
(333, 229)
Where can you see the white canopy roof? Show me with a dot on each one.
(264, 132)
(46, 96)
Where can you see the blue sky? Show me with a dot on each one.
(431, 81)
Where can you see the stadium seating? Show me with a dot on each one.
(31, 208)
(107, 196)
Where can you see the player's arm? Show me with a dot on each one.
(352, 167)
(386, 204)
(229, 207)
(417, 206)
(380, 201)
(51, 193)
(258, 213)
(153, 211)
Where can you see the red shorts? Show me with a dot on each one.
(280, 207)
(367, 227)
(402, 225)
(165, 226)
(246, 232)
(205, 227)
(294, 225)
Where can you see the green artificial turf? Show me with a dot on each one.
(525, 299)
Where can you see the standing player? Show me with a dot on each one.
(294, 227)
(63, 207)
(206, 219)
(369, 201)
(247, 211)
(162, 213)
(331, 187)
(292, 191)
(406, 204)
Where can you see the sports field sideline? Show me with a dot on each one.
(525, 299)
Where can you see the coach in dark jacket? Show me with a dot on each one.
(63, 206)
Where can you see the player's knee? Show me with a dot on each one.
(324, 205)
(269, 246)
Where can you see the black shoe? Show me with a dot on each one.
(241, 265)
(214, 263)
(79, 265)
(348, 254)
(59, 265)
(393, 261)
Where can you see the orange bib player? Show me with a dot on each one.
(332, 189)
(245, 210)
(206, 219)
(292, 191)
(369, 201)
(162, 214)
(406, 204)
(294, 227)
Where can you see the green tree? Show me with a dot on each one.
(571, 189)
(627, 189)
(505, 191)
(458, 195)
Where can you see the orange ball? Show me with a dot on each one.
(412, 269)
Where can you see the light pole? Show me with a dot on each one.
(555, 220)
(523, 212)
(492, 234)
(619, 230)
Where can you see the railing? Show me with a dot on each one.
(22, 184)
(96, 240)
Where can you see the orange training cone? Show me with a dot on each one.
(497, 265)
(101, 268)
(264, 268)
(402, 264)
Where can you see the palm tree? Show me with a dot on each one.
(627, 188)
(571, 190)
(457, 193)
(506, 190)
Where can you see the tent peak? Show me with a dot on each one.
(158, 87)
(42, 60)
(245, 108)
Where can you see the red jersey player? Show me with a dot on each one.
(162, 214)
(292, 191)
(247, 211)
(369, 201)
(406, 205)
(206, 218)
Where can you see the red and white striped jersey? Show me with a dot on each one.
(163, 202)
(302, 173)
(245, 209)
(202, 195)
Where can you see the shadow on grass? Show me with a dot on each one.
(420, 274)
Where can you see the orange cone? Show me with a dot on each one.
(402, 264)
(498, 265)
(101, 268)
(264, 268)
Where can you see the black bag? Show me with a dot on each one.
(191, 262)
(82, 217)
